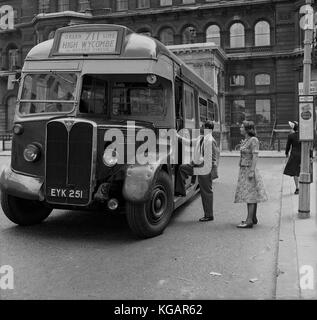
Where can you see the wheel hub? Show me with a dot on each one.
(159, 203)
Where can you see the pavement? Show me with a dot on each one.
(297, 256)
(92, 256)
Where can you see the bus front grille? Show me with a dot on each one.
(69, 161)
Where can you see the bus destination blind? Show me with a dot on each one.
(91, 42)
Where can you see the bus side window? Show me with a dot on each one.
(212, 111)
(178, 104)
(203, 109)
(189, 106)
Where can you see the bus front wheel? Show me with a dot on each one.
(149, 219)
(23, 212)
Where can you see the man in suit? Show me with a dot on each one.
(204, 166)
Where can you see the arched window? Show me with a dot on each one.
(213, 34)
(262, 79)
(237, 36)
(262, 34)
(167, 36)
(11, 103)
(189, 35)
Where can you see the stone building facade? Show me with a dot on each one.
(260, 41)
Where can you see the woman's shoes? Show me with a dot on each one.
(255, 221)
(245, 225)
(296, 191)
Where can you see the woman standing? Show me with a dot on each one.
(250, 188)
(292, 167)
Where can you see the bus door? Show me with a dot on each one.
(189, 122)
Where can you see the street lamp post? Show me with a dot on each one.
(304, 179)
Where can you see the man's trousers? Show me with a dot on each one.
(205, 183)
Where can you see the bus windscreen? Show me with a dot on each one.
(48, 92)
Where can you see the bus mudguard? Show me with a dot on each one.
(21, 186)
(138, 181)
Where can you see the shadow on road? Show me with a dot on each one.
(77, 226)
(83, 225)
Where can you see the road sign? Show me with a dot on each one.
(306, 118)
(313, 88)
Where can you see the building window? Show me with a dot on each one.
(188, 1)
(62, 5)
(167, 36)
(11, 104)
(122, 5)
(263, 111)
(262, 79)
(262, 34)
(189, 35)
(44, 6)
(237, 36)
(213, 34)
(13, 58)
(166, 2)
(143, 4)
(238, 111)
(237, 80)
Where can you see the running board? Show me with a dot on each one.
(190, 192)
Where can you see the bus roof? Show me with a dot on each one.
(69, 41)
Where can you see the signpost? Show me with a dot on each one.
(306, 113)
(313, 88)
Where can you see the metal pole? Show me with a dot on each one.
(304, 178)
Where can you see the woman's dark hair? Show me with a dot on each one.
(295, 126)
(249, 128)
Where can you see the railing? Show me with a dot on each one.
(252, 49)
(273, 134)
(5, 138)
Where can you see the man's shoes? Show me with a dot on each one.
(296, 191)
(204, 219)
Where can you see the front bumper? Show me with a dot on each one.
(21, 186)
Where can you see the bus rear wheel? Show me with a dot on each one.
(22, 211)
(149, 219)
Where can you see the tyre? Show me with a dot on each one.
(23, 212)
(149, 219)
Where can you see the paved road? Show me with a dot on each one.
(93, 256)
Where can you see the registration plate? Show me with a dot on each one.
(67, 193)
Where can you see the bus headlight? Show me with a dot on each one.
(32, 153)
(110, 157)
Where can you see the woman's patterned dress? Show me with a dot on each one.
(249, 190)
